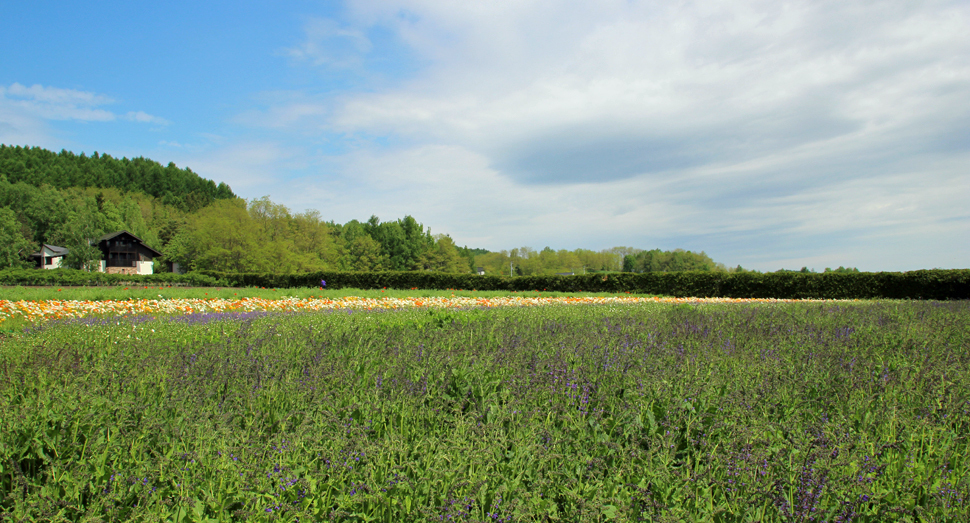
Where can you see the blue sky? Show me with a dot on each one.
(767, 134)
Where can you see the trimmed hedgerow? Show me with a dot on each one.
(914, 285)
(72, 277)
(919, 285)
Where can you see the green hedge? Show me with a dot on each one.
(72, 277)
(914, 285)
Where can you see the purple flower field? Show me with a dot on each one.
(784, 412)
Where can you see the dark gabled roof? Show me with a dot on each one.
(55, 250)
(111, 236)
(114, 235)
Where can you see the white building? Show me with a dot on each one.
(50, 256)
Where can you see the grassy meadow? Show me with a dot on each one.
(831, 411)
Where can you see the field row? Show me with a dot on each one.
(43, 310)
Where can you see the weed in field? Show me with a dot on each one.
(824, 412)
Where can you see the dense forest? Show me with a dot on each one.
(71, 200)
(179, 188)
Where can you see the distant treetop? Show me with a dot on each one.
(180, 188)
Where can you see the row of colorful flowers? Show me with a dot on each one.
(36, 311)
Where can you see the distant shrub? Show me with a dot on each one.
(72, 278)
(914, 285)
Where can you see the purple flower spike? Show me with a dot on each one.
(323, 283)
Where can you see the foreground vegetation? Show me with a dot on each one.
(789, 412)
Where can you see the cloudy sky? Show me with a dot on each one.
(768, 134)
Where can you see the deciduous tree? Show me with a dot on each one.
(14, 246)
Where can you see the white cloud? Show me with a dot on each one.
(330, 44)
(251, 168)
(640, 87)
(55, 96)
(287, 110)
(454, 191)
(18, 128)
(54, 103)
(763, 132)
(143, 117)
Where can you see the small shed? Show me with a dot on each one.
(125, 253)
(50, 256)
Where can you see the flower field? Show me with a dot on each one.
(488, 408)
(34, 311)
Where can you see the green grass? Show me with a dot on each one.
(726, 413)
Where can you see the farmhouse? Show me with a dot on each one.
(125, 253)
(50, 256)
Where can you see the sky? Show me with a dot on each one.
(767, 134)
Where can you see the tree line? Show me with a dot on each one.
(225, 235)
(175, 187)
(31, 216)
(235, 235)
(525, 261)
(263, 236)
(72, 200)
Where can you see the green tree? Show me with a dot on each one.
(314, 240)
(842, 270)
(364, 254)
(80, 235)
(494, 263)
(361, 251)
(272, 218)
(520, 261)
(43, 210)
(132, 219)
(14, 246)
(402, 241)
(180, 187)
(443, 257)
(569, 262)
(592, 260)
(220, 237)
(469, 256)
(668, 261)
